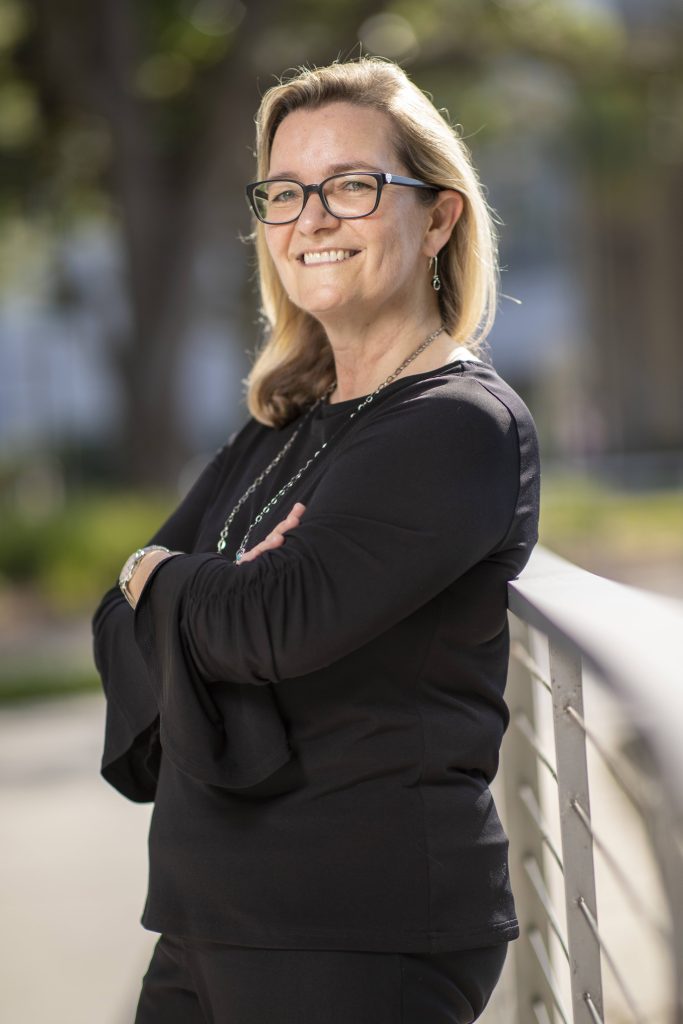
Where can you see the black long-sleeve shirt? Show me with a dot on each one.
(318, 727)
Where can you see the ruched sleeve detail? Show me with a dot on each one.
(226, 735)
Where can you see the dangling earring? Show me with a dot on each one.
(436, 280)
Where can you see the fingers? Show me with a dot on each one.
(276, 537)
(291, 520)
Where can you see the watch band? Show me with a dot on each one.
(131, 565)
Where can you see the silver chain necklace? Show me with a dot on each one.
(222, 541)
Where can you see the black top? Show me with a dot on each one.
(330, 714)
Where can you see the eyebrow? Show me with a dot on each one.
(357, 165)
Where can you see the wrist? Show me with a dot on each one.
(145, 569)
(130, 578)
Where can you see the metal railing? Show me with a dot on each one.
(595, 692)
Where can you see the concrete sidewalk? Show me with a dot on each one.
(73, 882)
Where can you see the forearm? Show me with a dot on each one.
(368, 553)
(152, 559)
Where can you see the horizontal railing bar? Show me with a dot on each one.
(526, 795)
(538, 946)
(628, 997)
(638, 904)
(633, 642)
(535, 875)
(527, 730)
(604, 622)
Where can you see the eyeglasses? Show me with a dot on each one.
(345, 196)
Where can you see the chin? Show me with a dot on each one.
(323, 301)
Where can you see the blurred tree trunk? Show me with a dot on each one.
(165, 209)
(632, 256)
(170, 200)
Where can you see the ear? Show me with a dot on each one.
(443, 216)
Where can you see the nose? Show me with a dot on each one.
(314, 216)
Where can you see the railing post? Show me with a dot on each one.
(520, 768)
(665, 830)
(577, 844)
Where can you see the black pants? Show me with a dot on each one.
(193, 982)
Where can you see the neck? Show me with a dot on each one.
(365, 357)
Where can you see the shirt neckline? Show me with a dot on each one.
(325, 410)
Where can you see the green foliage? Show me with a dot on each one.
(71, 557)
(74, 555)
(584, 520)
(33, 684)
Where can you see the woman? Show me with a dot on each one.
(310, 686)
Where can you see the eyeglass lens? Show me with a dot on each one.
(347, 195)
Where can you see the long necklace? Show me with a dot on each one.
(222, 541)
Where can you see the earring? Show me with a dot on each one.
(436, 280)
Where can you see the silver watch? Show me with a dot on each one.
(131, 564)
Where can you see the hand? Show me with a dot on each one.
(277, 536)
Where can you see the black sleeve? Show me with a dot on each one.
(418, 494)
(131, 741)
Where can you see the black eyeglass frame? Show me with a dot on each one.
(381, 177)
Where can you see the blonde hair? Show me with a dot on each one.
(295, 364)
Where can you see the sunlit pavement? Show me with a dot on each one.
(74, 863)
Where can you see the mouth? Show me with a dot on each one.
(317, 256)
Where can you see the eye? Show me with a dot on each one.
(286, 195)
(355, 185)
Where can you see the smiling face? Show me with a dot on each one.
(353, 269)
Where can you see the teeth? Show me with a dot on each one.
(329, 256)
